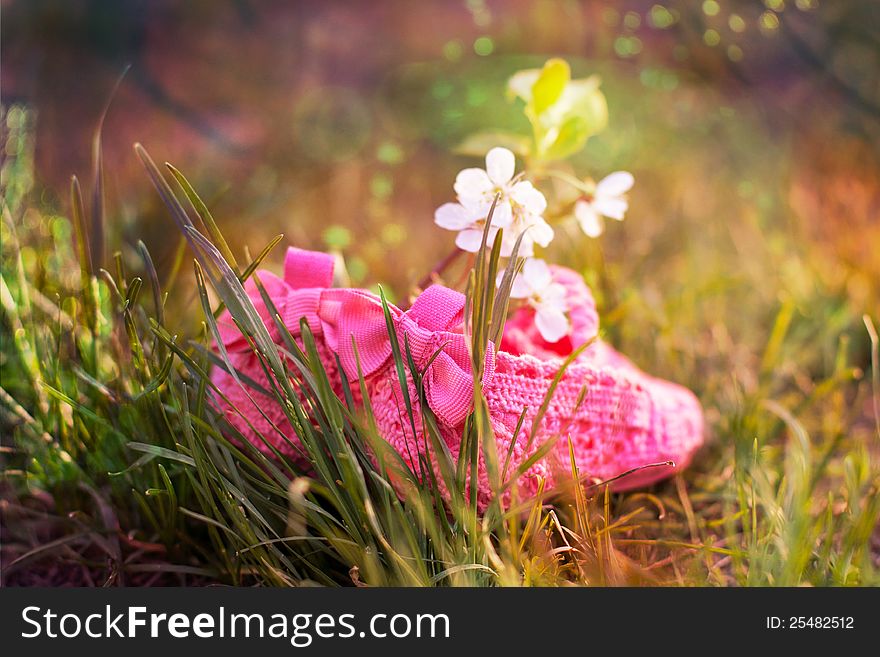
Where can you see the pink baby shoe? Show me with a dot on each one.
(616, 417)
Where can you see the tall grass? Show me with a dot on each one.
(108, 409)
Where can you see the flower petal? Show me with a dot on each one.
(526, 195)
(613, 208)
(472, 184)
(471, 239)
(552, 324)
(521, 83)
(554, 296)
(589, 220)
(537, 274)
(540, 232)
(615, 184)
(453, 216)
(500, 165)
(526, 248)
(503, 215)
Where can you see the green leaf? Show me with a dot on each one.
(549, 86)
(480, 143)
(564, 113)
(588, 102)
(162, 452)
(581, 113)
(570, 138)
(205, 215)
(502, 298)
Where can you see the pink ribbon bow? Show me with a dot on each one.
(431, 326)
(306, 275)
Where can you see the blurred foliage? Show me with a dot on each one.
(736, 100)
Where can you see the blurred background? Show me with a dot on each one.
(752, 128)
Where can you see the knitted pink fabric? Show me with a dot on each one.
(626, 419)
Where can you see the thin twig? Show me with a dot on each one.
(439, 268)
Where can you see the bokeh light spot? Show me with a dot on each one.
(389, 153)
(711, 8)
(745, 189)
(484, 46)
(337, 237)
(660, 17)
(15, 118)
(734, 53)
(611, 17)
(711, 37)
(393, 234)
(632, 20)
(441, 89)
(669, 80)
(381, 186)
(452, 115)
(736, 23)
(655, 78)
(769, 22)
(453, 50)
(477, 95)
(479, 12)
(357, 269)
(627, 46)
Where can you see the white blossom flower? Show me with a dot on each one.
(535, 284)
(470, 225)
(608, 200)
(528, 222)
(520, 206)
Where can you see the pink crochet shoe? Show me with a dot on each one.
(625, 420)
